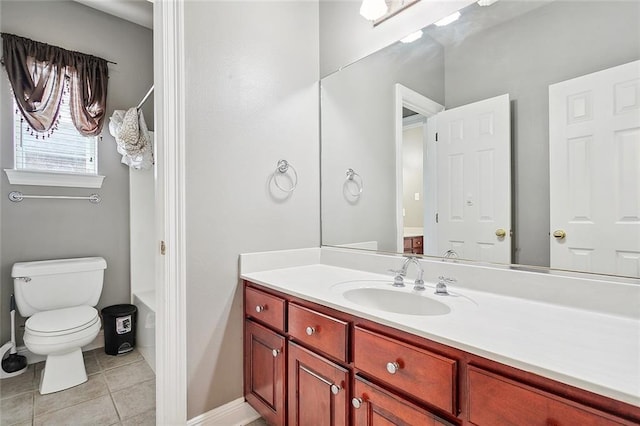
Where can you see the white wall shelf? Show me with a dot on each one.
(39, 178)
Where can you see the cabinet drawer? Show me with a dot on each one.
(494, 399)
(320, 331)
(264, 307)
(375, 406)
(418, 372)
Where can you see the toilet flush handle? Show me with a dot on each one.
(25, 279)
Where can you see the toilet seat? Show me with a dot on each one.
(61, 322)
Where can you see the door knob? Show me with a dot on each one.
(501, 233)
(559, 234)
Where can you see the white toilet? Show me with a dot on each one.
(58, 297)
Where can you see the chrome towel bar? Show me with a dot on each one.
(17, 196)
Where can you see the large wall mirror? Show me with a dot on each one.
(511, 135)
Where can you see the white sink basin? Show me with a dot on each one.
(396, 301)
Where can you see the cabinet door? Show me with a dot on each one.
(264, 372)
(374, 406)
(318, 389)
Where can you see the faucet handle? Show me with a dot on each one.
(398, 280)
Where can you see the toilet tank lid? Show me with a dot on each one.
(57, 266)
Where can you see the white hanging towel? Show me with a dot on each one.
(133, 139)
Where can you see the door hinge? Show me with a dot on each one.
(163, 248)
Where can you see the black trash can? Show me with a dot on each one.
(119, 328)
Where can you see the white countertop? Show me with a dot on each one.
(595, 351)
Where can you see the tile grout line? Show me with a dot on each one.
(100, 371)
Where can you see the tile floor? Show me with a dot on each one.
(120, 391)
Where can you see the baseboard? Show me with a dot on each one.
(32, 358)
(235, 413)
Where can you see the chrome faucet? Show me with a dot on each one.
(449, 254)
(398, 281)
(441, 287)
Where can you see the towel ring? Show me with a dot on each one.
(351, 176)
(283, 167)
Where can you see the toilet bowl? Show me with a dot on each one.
(60, 334)
(58, 297)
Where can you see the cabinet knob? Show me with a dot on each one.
(335, 389)
(275, 352)
(356, 402)
(393, 367)
(260, 308)
(310, 331)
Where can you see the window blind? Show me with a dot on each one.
(66, 150)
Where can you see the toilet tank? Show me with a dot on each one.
(54, 284)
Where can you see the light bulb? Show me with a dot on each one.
(373, 9)
(447, 20)
(412, 37)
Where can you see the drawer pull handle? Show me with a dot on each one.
(393, 367)
(260, 308)
(335, 389)
(310, 331)
(356, 402)
(275, 352)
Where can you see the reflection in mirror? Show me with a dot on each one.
(574, 195)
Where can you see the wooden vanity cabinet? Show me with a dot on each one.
(414, 245)
(307, 364)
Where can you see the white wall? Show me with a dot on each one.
(252, 99)
(48, 229)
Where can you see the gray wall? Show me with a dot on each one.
(252, 99)
(358, 132)
(554, 43)
(49, 229)
(413, 141)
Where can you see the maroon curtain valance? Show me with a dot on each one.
(37, 72)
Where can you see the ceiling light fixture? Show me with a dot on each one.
(449, 19)
(373, 9)
(486, 2)
(412, 37)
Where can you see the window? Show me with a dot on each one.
(65, 150)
